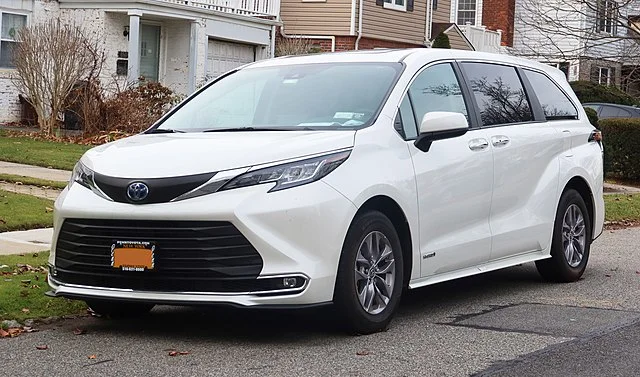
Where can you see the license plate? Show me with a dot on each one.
(133, 255)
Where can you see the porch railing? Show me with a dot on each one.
(482, 39)
(242, 7)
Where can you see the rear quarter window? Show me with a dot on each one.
(555, 103)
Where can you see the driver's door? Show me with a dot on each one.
(454, 178)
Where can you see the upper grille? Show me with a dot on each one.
(190, 256)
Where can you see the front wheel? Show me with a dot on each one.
(370, 274)
(571, 241)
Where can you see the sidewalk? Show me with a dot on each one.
(28, 241)
(34, 171)
(34, 240)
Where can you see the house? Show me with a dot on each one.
(588, 40)
(179, 43)
(338, 25)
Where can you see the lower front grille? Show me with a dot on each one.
(190, 256)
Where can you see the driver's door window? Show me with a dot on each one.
(437, 89)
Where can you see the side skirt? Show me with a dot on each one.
(479, 269)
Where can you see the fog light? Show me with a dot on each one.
(53, 270)
(289, 282)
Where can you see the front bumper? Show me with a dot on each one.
(299, 231)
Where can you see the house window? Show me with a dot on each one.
(396, 4)
(604, 76)
(9, 26)
(607, 16)
(466, 12)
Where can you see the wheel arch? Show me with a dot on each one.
(581, 185)
(394, 212)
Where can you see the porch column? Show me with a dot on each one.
(134, 47)
(193, 57)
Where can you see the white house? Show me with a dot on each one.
(179, 43)
(588, 40)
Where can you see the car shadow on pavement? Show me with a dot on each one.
(217, 323)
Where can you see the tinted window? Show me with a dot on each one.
(436, 89)
(609, 112)
(499, 93)
(554, 102)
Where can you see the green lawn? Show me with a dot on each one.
(41, 153)
(22, 290)
(622, 207)
(21, 212)
(11, 178)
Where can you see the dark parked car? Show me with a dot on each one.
(612, 110)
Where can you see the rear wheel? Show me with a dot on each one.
(370, 275)
(571, 241)
(119, 309)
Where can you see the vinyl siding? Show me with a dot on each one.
(443, 13)
(390, 24)
(332, 17)
(457, 41)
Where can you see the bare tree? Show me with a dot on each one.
(565, 30)
(51, 60)
(293, 46)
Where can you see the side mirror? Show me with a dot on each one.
(440, 125)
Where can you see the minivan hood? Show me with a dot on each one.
(171, 155)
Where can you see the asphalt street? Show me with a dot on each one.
(504, 323)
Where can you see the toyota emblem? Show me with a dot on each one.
(137, 191)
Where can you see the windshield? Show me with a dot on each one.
(293, 97)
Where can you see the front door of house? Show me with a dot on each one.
(149, 51)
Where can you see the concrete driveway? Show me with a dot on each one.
(507, 323)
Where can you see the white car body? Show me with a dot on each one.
(465, 211)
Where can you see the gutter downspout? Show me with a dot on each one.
(360, 11)
(327, 37)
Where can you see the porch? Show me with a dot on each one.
(179, 43)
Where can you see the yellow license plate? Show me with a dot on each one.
(133, 255)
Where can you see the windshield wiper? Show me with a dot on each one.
(164, 131)
(236, 129)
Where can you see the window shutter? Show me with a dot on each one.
(410, 5)
(380, 2)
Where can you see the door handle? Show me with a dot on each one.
(478, 144)
(500, 141)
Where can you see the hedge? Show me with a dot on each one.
(592, 115)
(621, 138)
(587, 91)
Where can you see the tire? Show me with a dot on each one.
(119, 309)
(558, 268)
(367, 229)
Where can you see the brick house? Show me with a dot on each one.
(179, 43)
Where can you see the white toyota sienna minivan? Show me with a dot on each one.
(337, 179)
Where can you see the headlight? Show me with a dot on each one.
(84, 176)
(290, 174)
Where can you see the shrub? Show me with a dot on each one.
(592, 92)
(441, 41)
(592, 115)
(137, 108)
(622, 147)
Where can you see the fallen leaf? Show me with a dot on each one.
(28, 329)
(638, 272)
(3, 334)
(48, 209)
(363, 353)
(35, 255)
(42, 348)
(91, 357)
(25, 310)
(173, 353)
(607, 275)
(79, 331)
(184, 353)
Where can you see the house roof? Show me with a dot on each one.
(449, 27)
